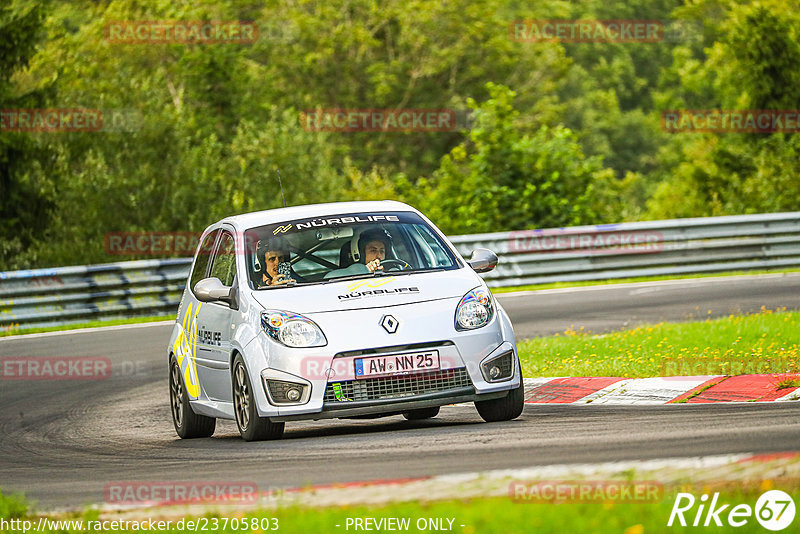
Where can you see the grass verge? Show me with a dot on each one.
(484, 515)
(764, 342)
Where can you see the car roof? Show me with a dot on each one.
(262, 218)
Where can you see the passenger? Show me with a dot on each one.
(273, 253)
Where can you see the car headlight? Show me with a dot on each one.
(291, 329)
(475, 310)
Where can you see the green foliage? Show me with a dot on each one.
(12, 506)
(24, 195)
(754, 65)
(402, 54)
(504, 178)
(562, 134)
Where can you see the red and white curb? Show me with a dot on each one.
(660, 390)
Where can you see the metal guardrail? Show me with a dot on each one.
(64, 295)
(648, 248)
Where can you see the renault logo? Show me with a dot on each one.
(389, 323)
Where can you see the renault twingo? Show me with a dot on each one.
(330, 332)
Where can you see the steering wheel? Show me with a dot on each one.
(390, 263)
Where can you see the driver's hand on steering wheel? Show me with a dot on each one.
(374, 265)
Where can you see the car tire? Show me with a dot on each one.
(251, 426)
(422, 413)
(503, 409)
(187, 424)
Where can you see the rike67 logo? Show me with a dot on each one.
(774, 510)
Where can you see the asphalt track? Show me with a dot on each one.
(61, 442)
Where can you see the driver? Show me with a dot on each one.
(372, 246)
(273, 252)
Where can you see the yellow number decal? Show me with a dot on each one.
(186, 345)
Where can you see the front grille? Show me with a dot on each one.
(395, 387)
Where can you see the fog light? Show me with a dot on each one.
(283, 392)
(499, 368)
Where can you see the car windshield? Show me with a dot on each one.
(336, 247)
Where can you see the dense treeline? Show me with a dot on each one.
(560, 133)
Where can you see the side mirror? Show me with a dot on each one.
(212, 290)
(483, 260)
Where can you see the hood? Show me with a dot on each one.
(369, 292)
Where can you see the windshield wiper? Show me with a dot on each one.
(350, 277)
(287, 284)
(379, 273)
(417, 271)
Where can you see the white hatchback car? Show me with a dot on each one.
(342, 310)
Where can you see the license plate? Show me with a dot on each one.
(397, 364)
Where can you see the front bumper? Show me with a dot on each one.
(395, 406)
(460, 353)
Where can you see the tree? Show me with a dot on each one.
(25, 193)
(402, 54)
(754, 65)
(504, 179)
